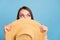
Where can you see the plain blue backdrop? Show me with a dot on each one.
(46, 12)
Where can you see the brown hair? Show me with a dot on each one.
(26, 8)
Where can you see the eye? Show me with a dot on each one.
(21, 16)
(28, 15)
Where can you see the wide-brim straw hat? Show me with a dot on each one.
(24, 29)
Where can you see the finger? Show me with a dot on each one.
(44, 28)
(7, 28)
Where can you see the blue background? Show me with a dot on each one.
(46, 12)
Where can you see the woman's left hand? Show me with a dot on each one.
(44, 30)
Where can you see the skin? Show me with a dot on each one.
(25, 14)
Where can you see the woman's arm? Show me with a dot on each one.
(7, 28)
(44, 30)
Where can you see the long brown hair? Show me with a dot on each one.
(26, 8)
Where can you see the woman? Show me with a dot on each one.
(25, 12)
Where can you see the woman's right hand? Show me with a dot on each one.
(7, 28)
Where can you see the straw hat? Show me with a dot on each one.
(24, 29)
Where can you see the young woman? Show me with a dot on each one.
(25, 12)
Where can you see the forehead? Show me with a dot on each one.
(24, 11)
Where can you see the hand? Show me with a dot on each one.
(7, 28)
(44, 29)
